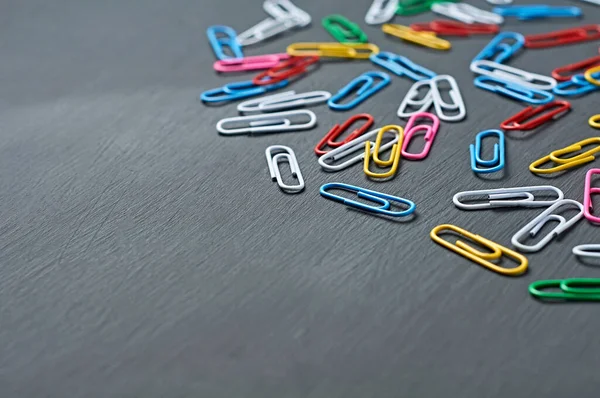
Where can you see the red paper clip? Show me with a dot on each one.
(285, 70)
(452, 28)
(525, 120)
(575, 68)
(338, 130)
(561, 37)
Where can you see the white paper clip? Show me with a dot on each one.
(512, 74)
(277, 122)
(507, 197)
(287, 154)
(284, 16)
(381, 11)
(440, 105)
(356, 145)
(286, 100)
(589, 250)
(535, 226)
(410, 101)
(466, 13)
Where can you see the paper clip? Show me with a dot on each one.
(426, 39)
(381, 11)
(410, 130)
(594, 121)
(565, 164)
(413, 7)
(499, 2)
(535, 226)
(238, 90)
(562, 37)
(590, 75)
(333, 50)
(411, 100)
(466, 13)
(356, 145)
(229, 40)
(364, 85)
(590, 250)
(528, 12)
(401, 66)
(575, 87)
(286, 100)
(382, 199)
(287, 154)
(256, 62)
(512, 74)
(344, 30)
(338, 130)
(566, 293)
(498, 50)
(277, 122)
(286, 70)
(284, 16)
(454, 28)
(394, 159)
(576, 68)
(507, 197)
(524, 120)
(497, 162)
(477, 256)
(587, 196)
(440, 105)
(513, 90)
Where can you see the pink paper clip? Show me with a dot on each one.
(256, 62)
(587, 198)
(411, 129)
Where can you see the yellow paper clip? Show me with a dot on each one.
(595, 121)
(334, 50)
(394, 159)
(427, 39)
(590, 75)
(497, 251)
(565, 164)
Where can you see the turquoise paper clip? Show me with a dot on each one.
(368, 87)
(577, 86)
(228, 40)
(513, 90)
(498, 50)
(402, 66)
(494, 164)
(238, 90)
(536, 11)
(380, 198)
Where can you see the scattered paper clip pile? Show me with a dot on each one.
(424, 109)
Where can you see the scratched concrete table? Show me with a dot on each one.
(143, 255)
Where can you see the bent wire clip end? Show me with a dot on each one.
(587, 197)
(383, 200)
(535, 226)
(506, 197)
(284, 153)
(590, 250)
(491, 165)
(496, 251)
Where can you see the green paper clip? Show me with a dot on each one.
(569, 289)
(414, 7)
(344, 30)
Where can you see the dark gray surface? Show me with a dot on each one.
(143, 255)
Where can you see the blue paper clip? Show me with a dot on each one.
(497, 162)
(581, 86)
(238, 90)
(528, 12)
(380, 198)
(368, 88)
(513, 90)
(218, 44)
(402, 66)
(498, 51)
